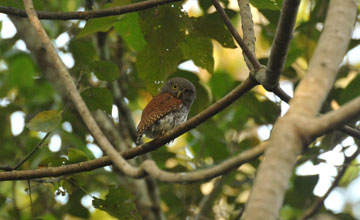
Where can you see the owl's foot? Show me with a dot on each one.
(138, 140)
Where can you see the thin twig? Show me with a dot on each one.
(319, 202)
(37, 147)
(247, 26)
(88, 14)
(236, 35)
(31, 202)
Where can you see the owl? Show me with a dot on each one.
(168, 109)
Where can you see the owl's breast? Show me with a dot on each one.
(168, 122)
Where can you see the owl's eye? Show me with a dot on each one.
(174, 87)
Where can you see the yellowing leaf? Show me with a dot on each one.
(45, 121)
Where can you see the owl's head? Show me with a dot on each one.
(181, 88)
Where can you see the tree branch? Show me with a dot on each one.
(343, 128)
(88, 14)
(280, 46)
(236, 35)
(200, 175)
(289, 134)
(333, 119)
(75, 95)
(247, 26)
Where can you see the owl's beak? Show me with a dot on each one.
(178, 94)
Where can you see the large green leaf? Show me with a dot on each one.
(74, 206)
(119, 203)
(199, 50)
(205, 5)
(351, 173)
(45, 121)
(83, 51)
(97, 24)
(220, 84)
(351, 91)
(154, 67)
(212, 26)
(267, 4)
(53, 161)
(21, 70)
(105, 70)
(129, 29)
(76, 156)
(300, 195)
(98, 98)
(164, 27)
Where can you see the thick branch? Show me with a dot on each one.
(343, 128)
(200, 175)
(328, 55)
(288, 137)
(88, 14)
(335, 118)
(281, 43)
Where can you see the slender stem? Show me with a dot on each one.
(89, 14)
(236, 35)
(247, 26)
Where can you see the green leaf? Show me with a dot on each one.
(98, 98)
(219, 84)
(293, 54)
(212, 26)
(105, 70)
(53, 161)
(154, 67)
(351, 91)
(97, 24)
(157, 24)
(83, 51)
(74, 206)
(199, 50)
(118, 203)
(205, 5)
(267, 4)
(300, 195)
(129, 29)
(45, 121)
(21, 70)
(351, 173)
(263, 112)
(76, 156)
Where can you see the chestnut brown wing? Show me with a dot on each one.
(157, 108)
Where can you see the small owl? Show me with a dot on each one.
(168, 109)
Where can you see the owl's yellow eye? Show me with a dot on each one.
(174, 87)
